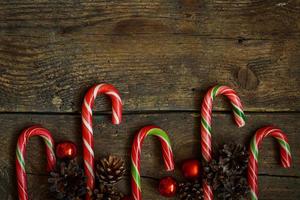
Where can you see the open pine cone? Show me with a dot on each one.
(107, 192)
(226, 173)
(235, 188)
(110, 170)
(214, 174)
(234, 157)
(67, 182)
(191, 190)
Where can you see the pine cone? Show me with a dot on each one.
(235, 157)
(235, 188)
(214, 174)
(110, 170)
(67, 182)
(190, 190)
(107, 192)
(226, 173)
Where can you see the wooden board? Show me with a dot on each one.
(161, 55)
(185, 141)
(230, 19)
(174, 76)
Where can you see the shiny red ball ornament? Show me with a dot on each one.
(167, 187)
(191, 169)
(66, 150)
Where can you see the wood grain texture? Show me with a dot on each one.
(242, 18)
(171, 76)
(161, 55)
(184, 137)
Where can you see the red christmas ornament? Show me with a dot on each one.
(167, 187)
(66, 150)
(191, 169)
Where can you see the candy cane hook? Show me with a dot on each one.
(285, 155)
(206, 116)
(21, 154)
(87, 126)
(136, 154)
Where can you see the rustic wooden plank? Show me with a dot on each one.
(161, 55)
(152, 73)
(242, 18)
(182, 127)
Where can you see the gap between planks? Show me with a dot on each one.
(99, 113)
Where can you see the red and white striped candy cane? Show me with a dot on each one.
(136, 155)
(87, 126)
(285, 155)
(21, 154)
(206, 116)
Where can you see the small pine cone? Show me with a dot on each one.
(107, 192)
(235, 188)
(190, 190)
(214, 173)
(234, 157)
(110, 170)
(67, 181)
(227, 172)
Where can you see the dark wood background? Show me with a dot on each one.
(162, 55)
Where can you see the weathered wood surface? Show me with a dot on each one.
(274, 180)
(161, 55)
(241, 18)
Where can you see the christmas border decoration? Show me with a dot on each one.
(230, 172)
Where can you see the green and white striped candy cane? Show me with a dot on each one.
(206, 120)
(285, 155)
(136, 154)
(20, 156)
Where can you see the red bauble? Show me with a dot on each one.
(191, 169)
(66, 150)
(167, 187)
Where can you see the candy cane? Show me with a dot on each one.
(136, 154)
(87, 126)
(285, 155)
(206, 115)
(21, 152)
